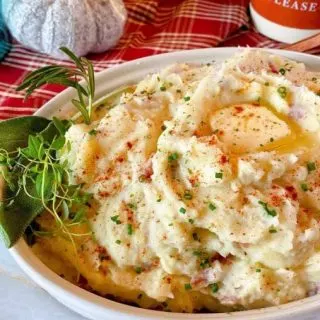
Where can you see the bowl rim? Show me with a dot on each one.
(83, 301)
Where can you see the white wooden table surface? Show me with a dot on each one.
(21, 298)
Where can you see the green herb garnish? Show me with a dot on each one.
(311, 166)
(205, 263)
(93, 132)
(214, 287)
(197, 253)
(282, 71)
(270, 211)
(304, 187)
(173, 157)
(138, 270)
(36, 181)
(212, 207)
(115, 219)
(132, 206)
(219, 175)
(68, 77)
(182, 210)
(282, 92)
(35, 178)
(129, 229)
(187, 286)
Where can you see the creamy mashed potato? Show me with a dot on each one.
(206, 187)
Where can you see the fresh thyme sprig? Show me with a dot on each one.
(38, 165)
(68, 77)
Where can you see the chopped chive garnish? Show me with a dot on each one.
(138, 270)
(304, 187)
(182, 210)
(282, 71)
(115, 219)
(269, 211)
(129, 229)
(205, 263)
(163, 88)
(93, 132)
(214, 287)
(173, 156)
(311, 166)
(212, 207)
(132, 206)
(118, 241)
(191, 221)
(219, 175)
(187, 286)
(282, 92)
(186, 98)
(258, 270)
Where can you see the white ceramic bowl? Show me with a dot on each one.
(97, 308)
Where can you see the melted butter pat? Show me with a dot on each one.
(246, 128)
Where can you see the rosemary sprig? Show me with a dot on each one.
(68, 77)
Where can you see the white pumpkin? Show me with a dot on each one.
(81, 25)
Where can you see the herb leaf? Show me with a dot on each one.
(14, 132)
(269, 210)
(12, 223)
(68, 77)
(35, 181)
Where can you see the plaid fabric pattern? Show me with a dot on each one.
(153, 27)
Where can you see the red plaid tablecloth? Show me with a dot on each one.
(153, 27)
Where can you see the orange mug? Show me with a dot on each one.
(286, 20)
